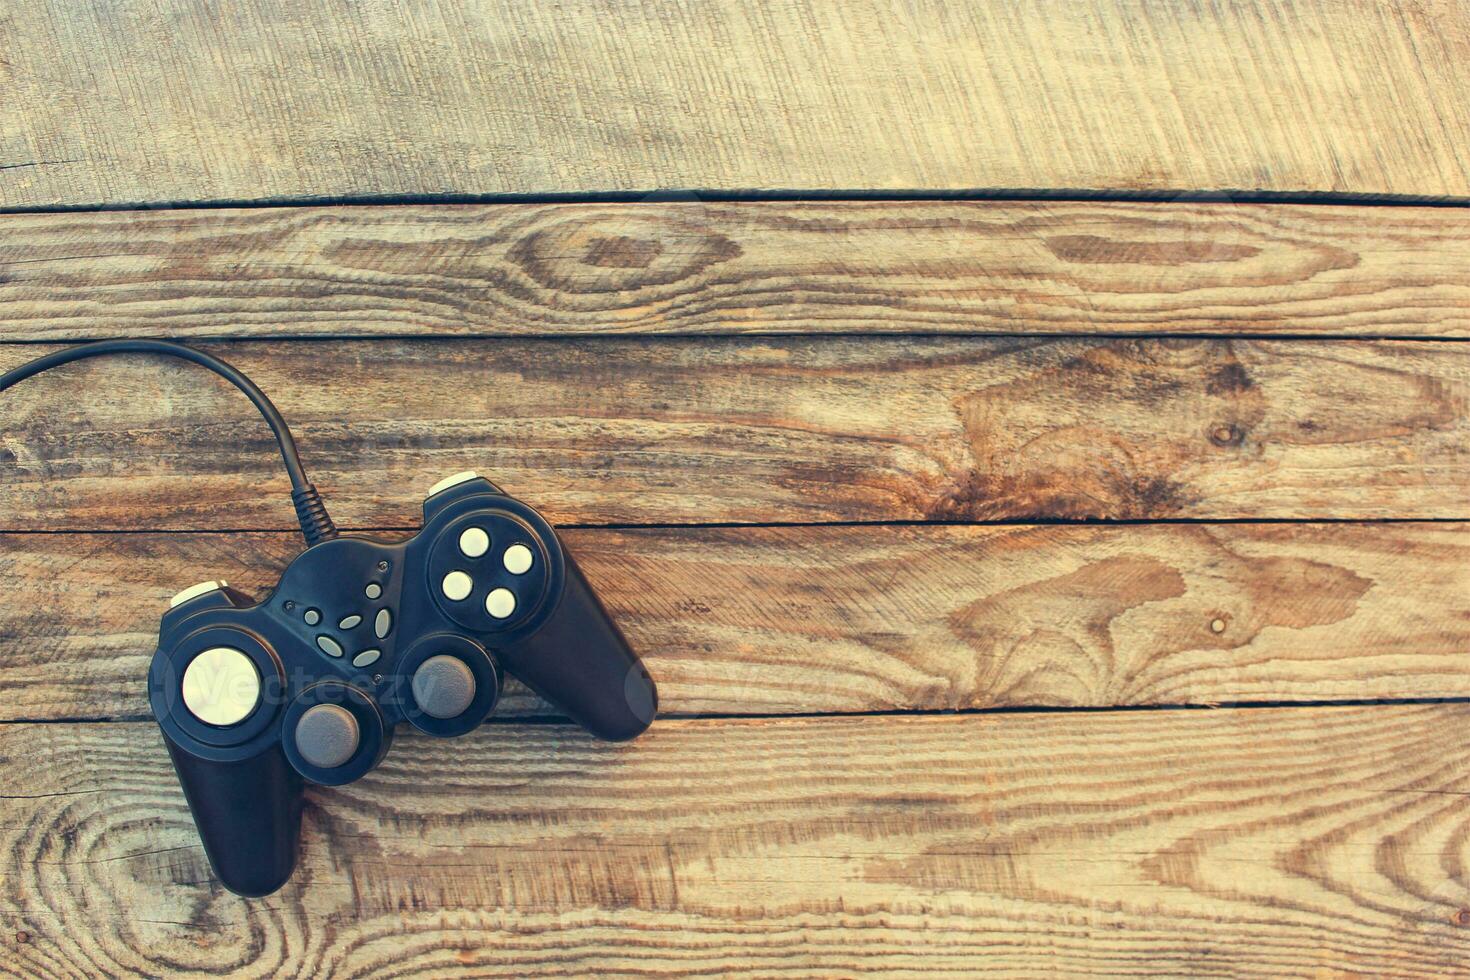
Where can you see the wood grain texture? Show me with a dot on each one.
(860, 619)
(754, 430)
(1283, 843)
(187, 100)
(701, 268)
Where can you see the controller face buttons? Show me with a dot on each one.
(443, 686)
(457, 586)
(329, 646)
(490, 572)
(367, 658)
(348, 622)
(500, 603)
(382, 623)
(474, 542)
(327, 735)
(312, 616)
(517, 559)
(373, 590)
(221, 687)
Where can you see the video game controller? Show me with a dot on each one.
(306, 685)
(257, 698)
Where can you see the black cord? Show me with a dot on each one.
(310, 511)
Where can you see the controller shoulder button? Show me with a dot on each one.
(453, 481)
(195, 591)
(329, 646)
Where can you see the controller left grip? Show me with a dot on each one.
(248, 814)
(580, 661)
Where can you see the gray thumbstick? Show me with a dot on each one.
(443, 686)
(327, 735)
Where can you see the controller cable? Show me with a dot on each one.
(316, 525)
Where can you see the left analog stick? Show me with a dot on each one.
(327, 735)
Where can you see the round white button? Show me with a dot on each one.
(221, 686)
(517, 559)
(474, 542)
(500, 603)
(458, 585)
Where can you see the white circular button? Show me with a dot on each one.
(517, 559)
(221, 686)
(474, 542)
(457, 585)
(500, 603)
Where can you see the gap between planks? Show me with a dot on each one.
(556, 721)
(653, 197)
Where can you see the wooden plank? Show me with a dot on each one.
(1287, 842)
(859, 619)
(754, 430)
(703, 268)
(180, 100)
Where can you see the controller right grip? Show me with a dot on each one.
(248, 814)
(580, 661)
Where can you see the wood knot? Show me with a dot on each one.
(622, 252)
(1217, 625)
(1462, 917)
(609, 253)
(24, 937)
(1227, 434)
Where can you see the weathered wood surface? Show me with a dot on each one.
(753, 430)
(193, 100)
(894, 267)
(1284, 842)
(856, 619)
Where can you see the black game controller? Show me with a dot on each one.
(256, 698)
(360, 635)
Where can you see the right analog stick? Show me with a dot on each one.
(443, 686)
